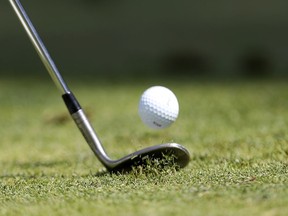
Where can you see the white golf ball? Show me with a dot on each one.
(158, 107)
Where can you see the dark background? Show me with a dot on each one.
(130, 38)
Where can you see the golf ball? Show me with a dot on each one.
(158, 107)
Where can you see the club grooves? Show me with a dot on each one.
(71, 102)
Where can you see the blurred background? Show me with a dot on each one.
(128, 38)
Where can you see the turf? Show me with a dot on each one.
(236, 133)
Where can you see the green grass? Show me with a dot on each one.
(236, 133)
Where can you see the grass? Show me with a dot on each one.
(236, 133)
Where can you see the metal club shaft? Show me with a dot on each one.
(39, 46)
(71, 102)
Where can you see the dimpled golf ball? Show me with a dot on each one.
(158, 107)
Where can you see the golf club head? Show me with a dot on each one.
(175, 153)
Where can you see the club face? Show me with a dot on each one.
(170, 153)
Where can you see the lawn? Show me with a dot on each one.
(235, 131)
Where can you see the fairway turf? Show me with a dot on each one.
(236, 133)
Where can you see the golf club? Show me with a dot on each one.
(179, 154)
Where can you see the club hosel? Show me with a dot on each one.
(91, 138)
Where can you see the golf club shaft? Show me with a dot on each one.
(39, 46)
(71, 102)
